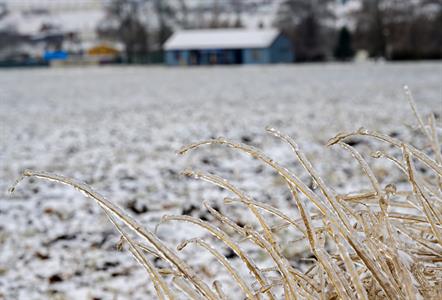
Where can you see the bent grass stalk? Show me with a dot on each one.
(376, 246)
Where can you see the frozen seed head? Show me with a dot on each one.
(182, 151)
(26, 173)
(120, 244)
(163, 219)
(406, 89)
(336, 139)
(377, 154)
(383, 203)
(390, 189)
(182, 245)
(272, 130)
(248, 227)
(188, 172)
(228, 201)
(362, 130)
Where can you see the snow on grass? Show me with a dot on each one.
(118, 129)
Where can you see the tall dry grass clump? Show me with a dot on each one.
(382, 243)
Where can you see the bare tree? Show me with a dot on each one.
(371, 27)
(124, 23)
(402, 29)
(184, 20)
(303, 21)
(238, 8)
(164, 13)
(9, 37)
(216, 11)
(3, 10)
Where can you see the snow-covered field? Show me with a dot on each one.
(118, 129)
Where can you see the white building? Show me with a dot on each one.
(29, 17)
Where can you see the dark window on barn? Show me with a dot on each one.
(177, 55)
(256, 54)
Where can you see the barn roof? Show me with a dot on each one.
(221, 39)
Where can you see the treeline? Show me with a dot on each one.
(400, 30)
(390, 29)
(319, 29)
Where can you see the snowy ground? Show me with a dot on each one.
(118, 129)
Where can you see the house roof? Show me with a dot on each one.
(221, 38)
(66, 21)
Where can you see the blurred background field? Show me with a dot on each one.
(84, 32)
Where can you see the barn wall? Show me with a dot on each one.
(281, 51)
(256, 56)
(171, 58)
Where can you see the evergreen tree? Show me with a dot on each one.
(344, 49)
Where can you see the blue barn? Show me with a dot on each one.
(228, 46)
